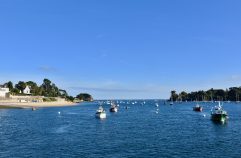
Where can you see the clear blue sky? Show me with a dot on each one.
(122, 48)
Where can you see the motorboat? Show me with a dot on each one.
(198, 108)
(113, 108)
(100, 113)
(218, 114)
(157, 105)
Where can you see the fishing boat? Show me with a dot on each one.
(113, 108)
(100, 113)
(198, 108)
(218, 114)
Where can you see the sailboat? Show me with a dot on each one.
(212, 98)
(171, 102)
(237, 98)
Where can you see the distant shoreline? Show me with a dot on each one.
(4, 105)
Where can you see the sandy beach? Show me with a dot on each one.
(33, 104)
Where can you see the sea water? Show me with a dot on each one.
(141, 130)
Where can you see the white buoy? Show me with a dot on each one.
(59, 112)
(204, 115)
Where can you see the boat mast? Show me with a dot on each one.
(237, 97)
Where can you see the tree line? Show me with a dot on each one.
(46, 89)
(231, 94)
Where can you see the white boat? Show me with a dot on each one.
(100, 113)
(113, 108)
(157, 105)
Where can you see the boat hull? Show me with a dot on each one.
(198, 109)
(100, 115)
(219, 117)
(113, 109)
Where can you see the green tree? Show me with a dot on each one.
(47, 88)
(20, 86)
(15, 91)
(174, 96)
(41, 91)
(183, 96)
(231, 94)
(33, 87)
(9, 85)
(70, 98)
(200, 95)
(84, 97)
(46, 84)
(63, 93)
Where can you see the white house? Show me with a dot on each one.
(4, 92)
(27, 90)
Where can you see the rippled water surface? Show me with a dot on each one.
(139, 131)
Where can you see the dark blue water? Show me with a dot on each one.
(175, 131)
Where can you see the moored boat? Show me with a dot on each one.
(113, 108)
(100, 113)
(218, 114)
(157, 105)
(198, 108)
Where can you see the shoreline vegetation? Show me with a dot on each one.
(30, 95)
(232, 94)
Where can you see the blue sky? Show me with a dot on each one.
(123, 48)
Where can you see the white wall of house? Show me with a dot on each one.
(27, 90)
(3, 92)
